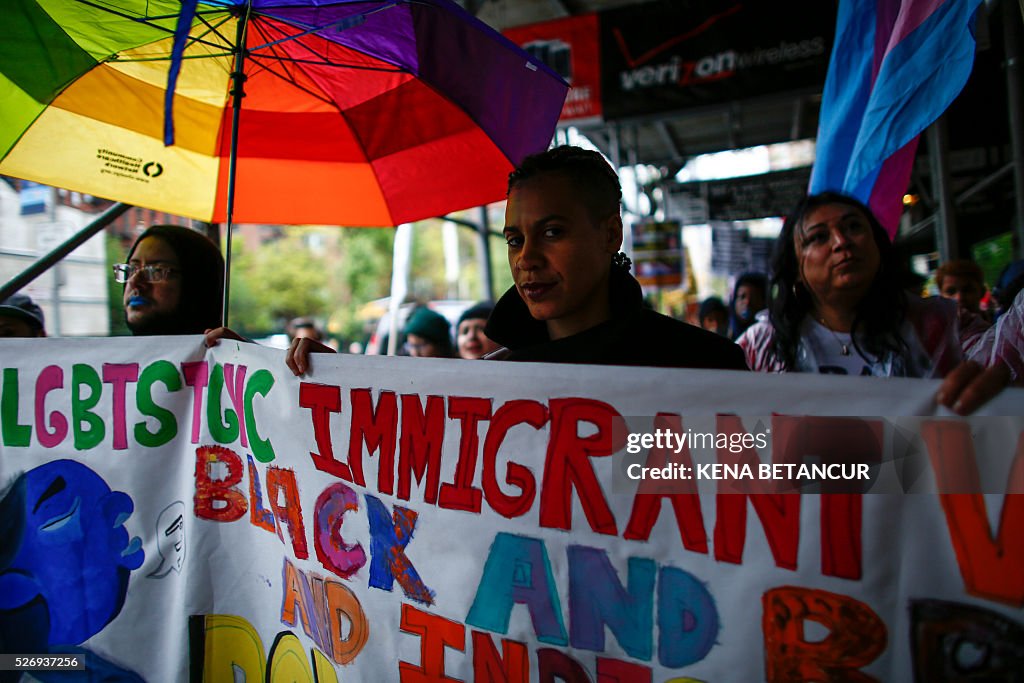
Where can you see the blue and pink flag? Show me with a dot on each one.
(896, 66)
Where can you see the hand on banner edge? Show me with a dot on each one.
(214, 336)
(970, 385)
(297, 358)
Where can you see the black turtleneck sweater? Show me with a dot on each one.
(634, 335)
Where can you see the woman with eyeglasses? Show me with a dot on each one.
(173, 282)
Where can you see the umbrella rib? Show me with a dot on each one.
(277, 63)
(212, 29)
(280, 66)
(142, 20)
(167, 58)
(313, 62)
(287, 77)
(193, 40)
(152, 22)
(324, 60)
(268, 63)
(341, 25)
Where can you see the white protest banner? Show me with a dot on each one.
(173, 513)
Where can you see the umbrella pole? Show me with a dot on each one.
(237, 93)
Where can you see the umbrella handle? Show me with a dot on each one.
(237, 93)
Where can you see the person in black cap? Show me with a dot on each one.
(173, 282)
(714, 316)
(470, 338)
(303, 327)
(21, 317)
(749, 295)
(428, 335)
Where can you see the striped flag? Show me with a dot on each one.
(896, 65)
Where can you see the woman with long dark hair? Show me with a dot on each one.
(173, 282)
(837, 305)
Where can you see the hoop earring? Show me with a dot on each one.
(622, 261)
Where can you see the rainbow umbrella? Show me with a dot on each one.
(269, 111)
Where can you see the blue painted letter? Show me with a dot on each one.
(687, 619)
(388, 540)
(518, 571)
(597, 598)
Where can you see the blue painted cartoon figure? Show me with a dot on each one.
(65, 559)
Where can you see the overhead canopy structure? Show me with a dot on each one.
(752, 79)
(668, 81)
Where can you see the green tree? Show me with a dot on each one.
(331, 273)
(115, 291)
(278, 280)
(360, 272)
(428, 275)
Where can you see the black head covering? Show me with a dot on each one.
(478, 311)
(712, 304)
(202, 282)
(738, 325)
(22, 307)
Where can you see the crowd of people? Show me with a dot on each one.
(836, 301)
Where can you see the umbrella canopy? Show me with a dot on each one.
(354, 113)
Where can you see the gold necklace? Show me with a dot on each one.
(843, 348)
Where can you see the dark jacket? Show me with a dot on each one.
(633, 336)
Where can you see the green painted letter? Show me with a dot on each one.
(167, 427)
(92, 435)
(260, 383)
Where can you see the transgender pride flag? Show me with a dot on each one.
(896, 66)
